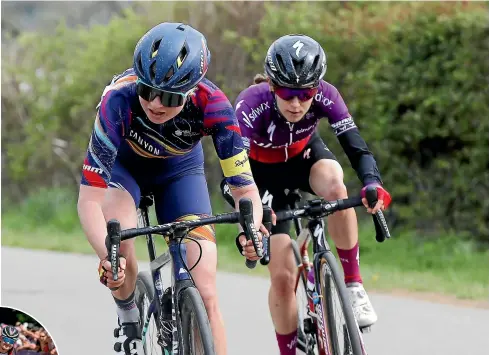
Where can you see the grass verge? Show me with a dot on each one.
(446, 266)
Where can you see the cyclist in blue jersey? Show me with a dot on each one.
(147, 138)
(279, 116)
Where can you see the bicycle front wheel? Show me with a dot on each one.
(196, 330)
(144, 295)
(343, 335)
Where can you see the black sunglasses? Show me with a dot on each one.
(167, 98)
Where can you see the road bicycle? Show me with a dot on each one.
(326, 323)
(179, 309)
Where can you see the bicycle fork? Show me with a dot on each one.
(154, 307)
(315, 310)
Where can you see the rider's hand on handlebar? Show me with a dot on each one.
(264, 230)
(247, 245)
(383, 199)
(106, 275)
(274, 218)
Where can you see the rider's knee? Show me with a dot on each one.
(336, 190)
(328, 177)
(209, 296)
(128, 249)
(283, 282)
(206, 284)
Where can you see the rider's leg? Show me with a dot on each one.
(187, 197)
(326, 180)
(281, 297)
(283, 273)
(272, 180)
(120, 205)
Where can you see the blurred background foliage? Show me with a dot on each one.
(415, 76)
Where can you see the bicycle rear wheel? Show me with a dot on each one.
(343, 336)
(144, 295)
(196, 330)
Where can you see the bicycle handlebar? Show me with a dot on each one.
(322, 208)
(381, 229)
(266, 221)
(245, 217)
(246, 221)
(318, 208)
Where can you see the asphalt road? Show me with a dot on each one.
(62, 291)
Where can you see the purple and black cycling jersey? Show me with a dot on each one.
(270, 138)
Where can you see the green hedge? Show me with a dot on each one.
(423, 106)
(55, 81)
(414, 76)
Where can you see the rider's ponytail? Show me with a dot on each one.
(260, 78)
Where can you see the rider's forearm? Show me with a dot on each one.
(251, 192)
(93, 224)
(361, 158)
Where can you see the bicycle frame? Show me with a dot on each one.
(180, 278)
(315, 230)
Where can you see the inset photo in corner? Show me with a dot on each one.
(22, 334)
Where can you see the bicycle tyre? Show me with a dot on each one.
(193, 315)
(329, 275)
(145, 288)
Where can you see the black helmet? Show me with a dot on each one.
(295, 60)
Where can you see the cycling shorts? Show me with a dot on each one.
(274, 179)
(178, 186)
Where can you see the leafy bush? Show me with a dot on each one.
(55, 82)
(423, 106)
(414, 75)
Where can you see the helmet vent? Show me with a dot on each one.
(181, 27)
(181, 57)
(184, 80)
(298, 64)
(154, 49)
(280, 63)
(169, 75)
(152, 70)
(139, 63)
(316, 61)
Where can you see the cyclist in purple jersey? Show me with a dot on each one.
(279, 116)
(147, 138)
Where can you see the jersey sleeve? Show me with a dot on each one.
(348, 134)
(249, 126)
(245, 126)
(220, 122)
(113, 111)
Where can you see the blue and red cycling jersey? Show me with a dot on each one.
(122, 131)
(270, 138)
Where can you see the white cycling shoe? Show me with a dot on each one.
(362, 308)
